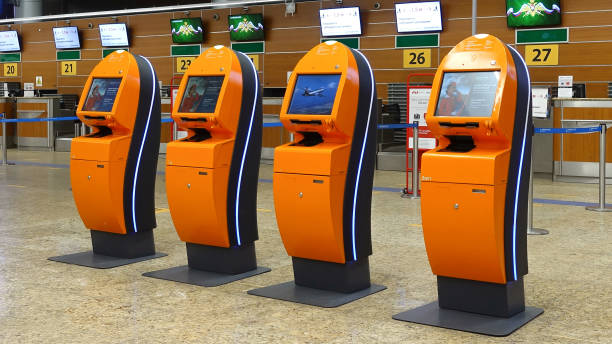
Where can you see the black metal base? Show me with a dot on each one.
(472, 306)
(134, 245)
(233, 260)
(498, 300)
(211, 266)
(185, 274)
(342, 278)
(111, 250)
(431, 314)
(323, 284)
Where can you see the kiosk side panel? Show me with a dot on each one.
(360, 172)
(244, 174)
(141, 167)
(515, 219)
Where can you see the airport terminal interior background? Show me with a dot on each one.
(45, 301)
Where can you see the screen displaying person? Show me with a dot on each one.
(452, 102)
(191, 100)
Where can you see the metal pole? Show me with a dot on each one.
(474, 15)
(174, 131)
(415, 160)
(602, 170)
(83, 129)
(4, 146)
(76, 129)
(530, 229)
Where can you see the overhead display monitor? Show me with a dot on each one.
(418, 16)
(314, 94)
(344, 21)
(113, 35)
(201, 94)
(101, 95)
(66, 37)
(9, 41)
(187, 30)
(246, 27)
(524, 13)
(467, 94)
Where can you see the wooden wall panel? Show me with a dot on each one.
(48, 70)
(277, 66)
(210, 24)
(583, 147)
(307, 14)
(286, 41)
(150, 24)
(38, 52)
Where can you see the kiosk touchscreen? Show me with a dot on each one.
(475, 187)
(212, 174)
(113, 169)
(323, 179)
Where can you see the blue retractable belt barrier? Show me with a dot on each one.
(397, 126)
(54, 119)
(279, 124)
(567, 130)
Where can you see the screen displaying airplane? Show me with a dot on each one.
(314, 94)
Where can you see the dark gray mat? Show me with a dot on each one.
(185, 274)
(289, 291)
(432, 315)
(99, 261)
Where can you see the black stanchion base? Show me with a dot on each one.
(111, 250)
(323, 284)
(211, 266)
(431, 314)
(472, 306)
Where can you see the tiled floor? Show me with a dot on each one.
(48, 302)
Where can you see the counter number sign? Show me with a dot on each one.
(183, 63)
(542, 55)
(417, 58)
(10, 69)
(68, 67)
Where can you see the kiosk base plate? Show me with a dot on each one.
(431, 314)
(185, 274)
(289, 291)
(99, 261)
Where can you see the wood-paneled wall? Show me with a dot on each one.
(586, 56)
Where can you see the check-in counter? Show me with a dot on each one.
(37, 134)
(578, 155)
(7, 106)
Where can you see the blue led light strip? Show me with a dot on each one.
(518, 182)
(144, 136)
(246, 146)
(365, 137)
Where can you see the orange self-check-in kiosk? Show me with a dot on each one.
(475, 189)
(323, 179)
(212, 174)
(113, 169)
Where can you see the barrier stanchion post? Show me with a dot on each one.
(4, 141)
(530, 229)
(415, 160)
(602, 171)
(174, 131)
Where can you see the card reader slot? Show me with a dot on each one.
(200, 135)
(460, 125)
(102, 131)
(189, 119)
(310, 139)
(459, 144)
(314, 121)
(100, 118)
